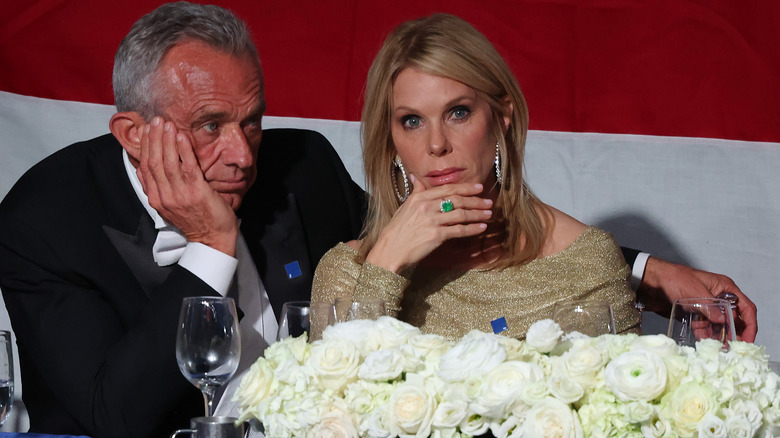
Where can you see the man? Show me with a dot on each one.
(102, 240)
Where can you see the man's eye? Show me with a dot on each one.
(411, 122)
(211, 127)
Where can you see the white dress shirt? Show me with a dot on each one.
(258, 326)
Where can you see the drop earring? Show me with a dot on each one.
(398, 166)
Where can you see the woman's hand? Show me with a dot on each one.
(419, 226)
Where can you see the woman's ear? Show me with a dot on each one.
(127, 128)
(506, 119)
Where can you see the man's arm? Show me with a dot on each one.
(664, 282)
(106, 356)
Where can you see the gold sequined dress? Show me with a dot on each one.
(452, 302)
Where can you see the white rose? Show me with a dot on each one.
(410, 410)
(564, 389)
(583, 362)
(293, 375)
(476, 354)
(552, 417)
(449, 414)
(661, 345)
(712, 427)
(502, 385)
(335, 424)
(361, 333)
(429, 345)
(686, 405)
(256, 385)
(381, 365)
(636, 375)
(392, 332)
(739, 427)
(334, 363)
(291, 347)
(533, 392)
(544, 335)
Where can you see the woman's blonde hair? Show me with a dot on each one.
(447, 46)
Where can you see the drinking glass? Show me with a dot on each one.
(694, 319)
(348, 308)
(6, 375)
(321, 315)
(294, 320)
(208, 344)
(299, 317)
(589, 317)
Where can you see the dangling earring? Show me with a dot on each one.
(497, 162)
(397, 164)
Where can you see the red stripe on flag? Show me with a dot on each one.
(667, 67)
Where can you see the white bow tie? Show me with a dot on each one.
(169, 245)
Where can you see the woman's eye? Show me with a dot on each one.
(411, 122)
(460, 112)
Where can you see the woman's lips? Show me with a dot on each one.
(444, 176)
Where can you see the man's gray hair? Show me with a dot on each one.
(153, 35)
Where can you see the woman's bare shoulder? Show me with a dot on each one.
(564, 230)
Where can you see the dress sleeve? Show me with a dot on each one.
(339, 275)
(613, 285)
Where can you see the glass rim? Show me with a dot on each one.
(702, 301)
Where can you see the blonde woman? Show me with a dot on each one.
(454, 239)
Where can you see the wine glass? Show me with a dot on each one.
(6, 375)
(589, 317)
(694, 319)
(208, 344)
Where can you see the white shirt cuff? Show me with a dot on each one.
(212, 266)
(638, 270)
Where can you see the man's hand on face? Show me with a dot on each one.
(174, 183)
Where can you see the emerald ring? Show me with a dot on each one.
(446, 206)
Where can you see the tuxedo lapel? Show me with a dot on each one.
(126, 223)
(279, 250)
(136, 251)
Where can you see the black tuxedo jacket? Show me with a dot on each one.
(95, 318)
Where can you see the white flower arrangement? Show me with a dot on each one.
(385, 378)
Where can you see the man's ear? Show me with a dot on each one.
(127, 128)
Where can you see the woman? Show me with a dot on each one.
(454, 238)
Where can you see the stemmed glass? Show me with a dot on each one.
(694, 319)
(6, 375)
(208, 344)
(589, 317)
(299, 317)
